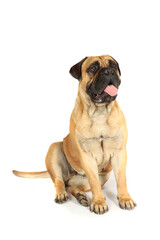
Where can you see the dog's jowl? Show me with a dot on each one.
(96, 143)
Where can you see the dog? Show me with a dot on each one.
(96, 143)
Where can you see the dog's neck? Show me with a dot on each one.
(90, 107)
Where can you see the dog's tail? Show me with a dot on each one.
(43, 174)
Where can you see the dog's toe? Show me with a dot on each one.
(99, 208)
(61, 197)
(128, 204)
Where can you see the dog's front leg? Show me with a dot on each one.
(119, 162)
(89, 165)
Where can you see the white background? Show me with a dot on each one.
(39, 42)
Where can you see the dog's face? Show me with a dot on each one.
(99, 77)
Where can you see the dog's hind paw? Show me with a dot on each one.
(82, 199)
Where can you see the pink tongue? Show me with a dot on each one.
(111, 90)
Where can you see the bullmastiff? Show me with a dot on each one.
(96, 142)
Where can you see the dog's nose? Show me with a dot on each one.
(108, 72)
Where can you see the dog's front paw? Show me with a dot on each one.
(127, 203)
(61, 197)
(99, 207)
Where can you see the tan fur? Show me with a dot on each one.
(95, 145)
(43, 174)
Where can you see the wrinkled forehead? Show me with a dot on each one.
(103, 61)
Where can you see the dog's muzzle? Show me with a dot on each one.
(105, 86)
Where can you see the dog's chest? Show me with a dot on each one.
(101, 141)
(101, 149)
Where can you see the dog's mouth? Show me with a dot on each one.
(107, 95)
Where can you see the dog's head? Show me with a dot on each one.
(99, 77)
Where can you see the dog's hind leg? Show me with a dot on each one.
(58, 170)
(78, 185)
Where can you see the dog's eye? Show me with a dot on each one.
(112, 64)
(93, 68)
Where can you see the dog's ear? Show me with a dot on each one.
(119, 69)
(75, 71)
